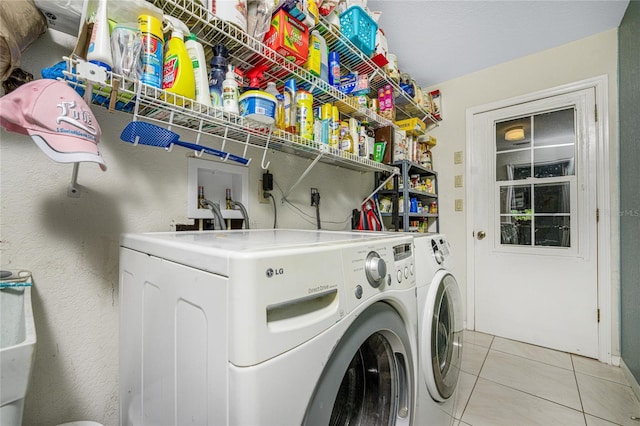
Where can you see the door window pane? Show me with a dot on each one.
(552, 198)
(515, 230)
(554, 161)
(504, 130)
(515, 199)
(553, 231)
(514, 165)
(554, 128)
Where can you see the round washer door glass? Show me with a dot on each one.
(368, 378)
(444, 323)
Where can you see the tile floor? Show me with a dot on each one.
(509, 383)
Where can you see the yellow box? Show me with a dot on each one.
(413, 126)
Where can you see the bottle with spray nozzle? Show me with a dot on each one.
(256, 75)
(177, 69)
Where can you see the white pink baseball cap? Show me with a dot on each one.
(56, 118)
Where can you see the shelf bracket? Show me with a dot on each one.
(73, 191)
(224, 141)
(375, 191)
(302, 176)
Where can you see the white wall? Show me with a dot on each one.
(586, 58)
(71, 244)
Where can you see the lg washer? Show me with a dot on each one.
(268, 327)
(440, 328)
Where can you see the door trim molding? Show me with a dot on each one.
(600, 85)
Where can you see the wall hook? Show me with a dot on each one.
(73, 190)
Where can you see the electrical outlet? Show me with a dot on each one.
(261, 197)
(457, 157)
(458, 205)
(457, 181)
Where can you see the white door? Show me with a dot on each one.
(535, 233)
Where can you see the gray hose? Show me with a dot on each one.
(245, 215)
(217, 214)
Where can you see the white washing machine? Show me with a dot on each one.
(267, 327)
(440, 328)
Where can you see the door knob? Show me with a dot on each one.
(481, 235)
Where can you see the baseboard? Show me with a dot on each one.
(631, 379)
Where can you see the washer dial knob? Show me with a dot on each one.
(376, 269)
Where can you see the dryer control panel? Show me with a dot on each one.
(374, 269)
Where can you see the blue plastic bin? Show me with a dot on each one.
(359, 28)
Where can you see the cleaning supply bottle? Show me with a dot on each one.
(196, 54)
(318, 59)
(230, 92)
(291, 112)
(256, 75)
(217, 74)
(271, 88)
(99, 51)
(334, 69)
(177, 69)
(152, 50)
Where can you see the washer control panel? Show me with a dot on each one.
(388, 264)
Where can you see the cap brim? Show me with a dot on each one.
(83, 150)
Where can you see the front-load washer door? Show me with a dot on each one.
(368, 379)
(441, 336)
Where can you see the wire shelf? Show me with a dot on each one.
(151, 104)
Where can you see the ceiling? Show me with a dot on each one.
(436, 41)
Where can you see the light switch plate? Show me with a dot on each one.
(458, 205)
(457, 181)
(457, 157)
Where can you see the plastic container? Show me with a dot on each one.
(359, 28)
(177, 69)
(334, 69)
(318, 59)
(17, 345)
(290, 114)
(152, 48)
(258, 106)
(230, 93)
(99, 51)
(304, 104)
(196, 54)
(217, 74)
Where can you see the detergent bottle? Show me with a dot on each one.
(196, 54)
(217, 74)
(177, 69)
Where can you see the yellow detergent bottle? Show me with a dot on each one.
(177, 70)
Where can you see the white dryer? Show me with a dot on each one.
(440, 328)
(267, 327)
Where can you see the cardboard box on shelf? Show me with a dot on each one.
(288, 36)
